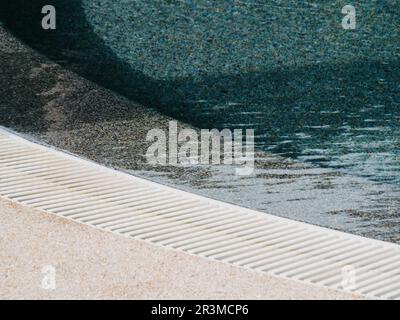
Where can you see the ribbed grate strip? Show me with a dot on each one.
(42, 178)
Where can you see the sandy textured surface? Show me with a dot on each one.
(92, 264)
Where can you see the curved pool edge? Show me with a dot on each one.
(190, 224)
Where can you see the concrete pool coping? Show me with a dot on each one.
(40, 177)
(93, 264)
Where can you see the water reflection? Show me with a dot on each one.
(364, 142)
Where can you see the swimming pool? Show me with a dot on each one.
(324, 101)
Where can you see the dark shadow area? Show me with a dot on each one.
(278, 102)
(74, 45)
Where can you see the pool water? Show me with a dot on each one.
(311, 90)
(324, 102)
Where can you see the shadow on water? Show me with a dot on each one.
(279, 102)
(74, 45)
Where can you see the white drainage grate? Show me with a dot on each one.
(40, 177)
